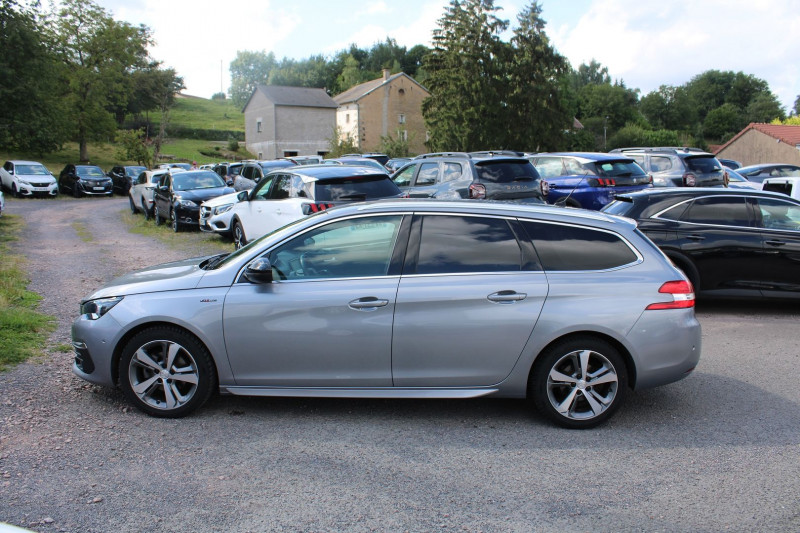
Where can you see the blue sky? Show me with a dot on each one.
(646, 44)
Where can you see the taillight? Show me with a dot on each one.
(477, 191)
(544, 187)
(315, 208)
(689, 180)
(601, 182)
(682, 296)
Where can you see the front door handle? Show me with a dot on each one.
(506, 297)
(695, 237)
(775, 243)
(369, 303)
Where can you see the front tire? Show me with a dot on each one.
(239, 239)
(15, 192)
(579, 382)
(175, 225)
(75, 192)
(166, 372)
(148, 213)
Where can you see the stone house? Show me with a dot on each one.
(763, 143)
(388, 106)
(288, 121)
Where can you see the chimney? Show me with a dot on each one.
(386, 73)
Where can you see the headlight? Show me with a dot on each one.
(222, 209)
(97, 308)
(24, 182)
(185, 203)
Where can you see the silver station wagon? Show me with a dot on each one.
(403, 299)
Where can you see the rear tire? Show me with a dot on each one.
(578, 382)
(134, 210)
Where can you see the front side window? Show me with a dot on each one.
(261, 191)
(777, 214)
(356, 247)
(428, 172)
(563, 247)
(462, 244)
(718, 210)
(403, 178)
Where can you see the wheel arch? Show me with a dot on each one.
(123, 341)
(686, 265)
(630, 366)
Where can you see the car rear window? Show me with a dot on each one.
(703, 164)
(785, 188)
(357, 188)
(564, 247)
(505, 171)
(614, 169)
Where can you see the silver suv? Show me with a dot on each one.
(678, 167)
(403, 299)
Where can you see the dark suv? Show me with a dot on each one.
(506, 176)
(677, 167)
(253, 171)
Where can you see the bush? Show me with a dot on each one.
(233, 145)
(218, 96)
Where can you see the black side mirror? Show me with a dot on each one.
(259, 271)
(229, 183)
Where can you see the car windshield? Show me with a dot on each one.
(196, 180)
(355, 188)
(506, 171)
(32, 170)
(90, 172)
(134, 171)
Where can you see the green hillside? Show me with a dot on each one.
(191, 112)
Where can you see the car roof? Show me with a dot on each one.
(588, 156)
(691, 192)
(23, 162)
(324, 172)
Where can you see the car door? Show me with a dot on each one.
(161, 195)
(426, 180)
(719, 235)
(326, 320)
(467, 303)
(779, 221)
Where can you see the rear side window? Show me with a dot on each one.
(505, 171)
(660, 163)
(355, 188)
(568, 248)
(457, 244)
(724, 211)
(618, 207)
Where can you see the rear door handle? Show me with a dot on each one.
(775, 243)
(695, 237)
(368, 303)
(506, 297)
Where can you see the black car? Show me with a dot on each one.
(758, 173)
(177, 197)
(123, 176)
(84, 180)
(506, 176)
(677, 167)
(728, 242)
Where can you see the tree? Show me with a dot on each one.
(341, 144)
(132, 146)
(466, 110)
(31, 113)
(592, 74)
(669, 108)
(764, 108)
(165, 86)
(538, 106)
(723, 122)
(797, 105)
(247, 70)
(99, 55)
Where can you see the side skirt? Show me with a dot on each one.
(302, 392)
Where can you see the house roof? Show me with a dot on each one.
(294, 96)
(354, 94)
(787, 134)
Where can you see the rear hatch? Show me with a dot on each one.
(620, 173)
(508, 179)
(707, 171)
(330, 192)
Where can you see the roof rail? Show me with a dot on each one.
(662, 149)
(492, 153)
(443, 154)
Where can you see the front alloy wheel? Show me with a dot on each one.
(176, 226)
(239, 240)
(579, 383)
(166, 372)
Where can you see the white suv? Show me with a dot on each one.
(216, 215)
(28, 178)
(289, 194)
(787, 186)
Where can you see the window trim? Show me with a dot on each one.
(706, 224)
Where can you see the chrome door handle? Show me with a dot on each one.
(695, 237)
(776, 243)
(506, 297)
(370, 303)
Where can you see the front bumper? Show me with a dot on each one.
(37, 189)
(104, 189)
(93, 342)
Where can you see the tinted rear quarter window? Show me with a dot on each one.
(726, 211)
(355, 188)
(458, 244)
(505, 171)
(564, 247)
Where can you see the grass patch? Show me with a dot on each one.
(192, 242)
(23, 330)
(82, 231)
(203, 114)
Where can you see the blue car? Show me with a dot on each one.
(588, 180)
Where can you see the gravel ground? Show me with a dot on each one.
(717, 451)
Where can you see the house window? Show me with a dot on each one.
(401, 92)
(258, 126)
(289, 154)
(401, 118)
(260, 155)
(403, 135)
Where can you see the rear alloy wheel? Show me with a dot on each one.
(166, 372)
(579, 382)
(239, 240)
(175, 225)
(157, 216)
(133, 206)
